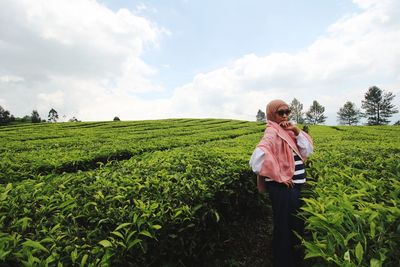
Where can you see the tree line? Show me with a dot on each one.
(6, 117)
(377, 106)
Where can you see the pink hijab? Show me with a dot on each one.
(273, 107)
(278, 145)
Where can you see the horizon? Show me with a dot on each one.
(205, 118)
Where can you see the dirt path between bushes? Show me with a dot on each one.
(247, 243)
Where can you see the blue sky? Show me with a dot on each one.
(200, 59)
(205, 35)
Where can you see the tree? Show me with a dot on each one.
(260, 116)
(53, 115)
(35, 117)
(378, 106)
(116, 118)
(74, 119)
(349, 114)
(315, 114)
(5, 116)
(297, 111)
(397, 123)
(26, 118)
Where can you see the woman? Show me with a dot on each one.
(278, 161)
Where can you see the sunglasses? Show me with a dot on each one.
(282, 112)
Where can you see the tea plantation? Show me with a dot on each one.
(159, 193)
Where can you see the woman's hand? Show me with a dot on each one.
(290, 127)
(288, 183)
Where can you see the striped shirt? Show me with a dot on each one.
(305, 149)
(299, 176)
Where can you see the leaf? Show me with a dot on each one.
(121, 244)
(350, 236)
(347, 256)
(359, 252)
(375, 263)
(130, 235)
(39, 185)
(372, 228)
(100, 194)
(74, 255)
(55, 228)
(3, 254)
(216, 216)
(314, 254)
(103, 221)
(35, 244)
(118, 197)
(177, 213)
(105, 243)
(68, 204)
(156, 226)
(146, 233)
(197, 207)
(47, 240)
(4, 195)
(84, 259)
(105, 260)
(133, 243)
(24, 222)
(123, 225)
(135, 217)
(118, 234)
(90, 204)
(50, 259)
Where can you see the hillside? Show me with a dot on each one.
(179, 192)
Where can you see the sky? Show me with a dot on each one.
(138, 60)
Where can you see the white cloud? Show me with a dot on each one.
(45, 43)
(359, 51)
(54, 99)
(10, 79)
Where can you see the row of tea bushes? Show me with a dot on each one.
(29, 151)
(159, 206)
(353, 212)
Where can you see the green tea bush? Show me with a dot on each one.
(353, 213)
(157, 207)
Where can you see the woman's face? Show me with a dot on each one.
(282, 114)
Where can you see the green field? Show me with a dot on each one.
(154, 193)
